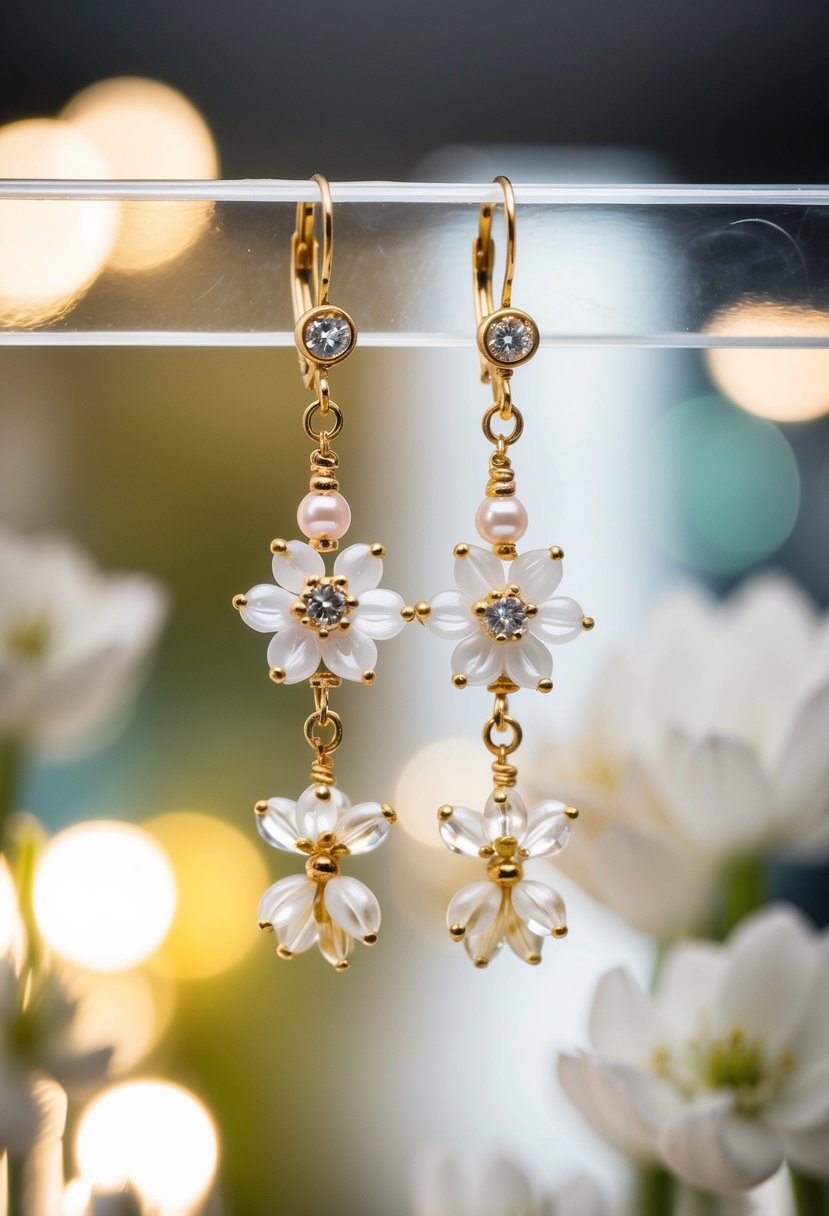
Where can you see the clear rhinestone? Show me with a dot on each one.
(328, 336)
(506, 617)
(326, 604)
(509, 340)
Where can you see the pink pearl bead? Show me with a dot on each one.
(323, 515)
(501, 519)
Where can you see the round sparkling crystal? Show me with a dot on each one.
(509, 340)
(506, 617)
(326, 604)
(327, 336)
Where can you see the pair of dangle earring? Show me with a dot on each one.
(325, 629)
(504, 615)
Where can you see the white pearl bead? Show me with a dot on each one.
(499, 520)
(323, 515)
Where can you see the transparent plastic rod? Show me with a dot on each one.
(632, 265)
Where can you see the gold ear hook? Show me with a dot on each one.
(506, 336)
(323, 334)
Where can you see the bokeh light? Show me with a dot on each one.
(147, 130)
(154, 1135)
(448, 770)
(51, 251)
(9, 921)
(104, 895)
(220, 874)
(720, 489)
(128, 1010)
(787, 384)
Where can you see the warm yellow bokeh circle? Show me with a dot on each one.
(220, 875)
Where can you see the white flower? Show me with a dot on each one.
(506, 906)
(321, 907)
(312, 615)
(37, 1038)
(73, 641)
(505, 620)
(496, 1186)
(704, 743)
(724, 1072)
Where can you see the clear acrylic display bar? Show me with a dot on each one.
(666, 266)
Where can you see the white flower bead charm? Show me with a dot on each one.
(337, 618)
(504, 619)
(506, 906)
(321, 907)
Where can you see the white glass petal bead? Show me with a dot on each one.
(504, 818)
(323, 515)
(522, 941)
(548, 829)
(537, 573)
(285, 900)
(479, 572)
(316, 814)
(277, 824)
(528, 661)
(558, 621)
(539, 906)
(297, 651)
(268, 608)
(478, 658)
(378, 614)
(363, 570)
(335, 944)
(352, 906)
(363, 828)
(451, 615)
(501, 520)
(463, 832)
(301, 933)
(483, 947)
(474, 907)
(298, 563)
(349, 654)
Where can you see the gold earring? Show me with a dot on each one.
(503, 620)
(318, 618)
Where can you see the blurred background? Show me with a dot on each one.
(647, 465)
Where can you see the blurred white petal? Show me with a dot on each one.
(713, 1148)
(625, 1027)
(719, 795)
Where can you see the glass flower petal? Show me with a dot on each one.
(522, 941)
(362, 569)
(298, 563)
(539, 906)
(299, 934)
(559, 620)
(378, 614)
(482, 947)
(352, 906)
(335, 944)
(527, 661)
(537, 573)
(474, 907)
(277, 825)
(268, 608)
(504, 814)
(462, 831)
(318, 809)
(297, 651)
(285, 900)
(479, 572)
(548, 830)
(477, 658)
(451, 615)
(364, 827)
(349, 654)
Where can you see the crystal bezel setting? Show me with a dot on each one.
(498, 318)
(325, 312)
